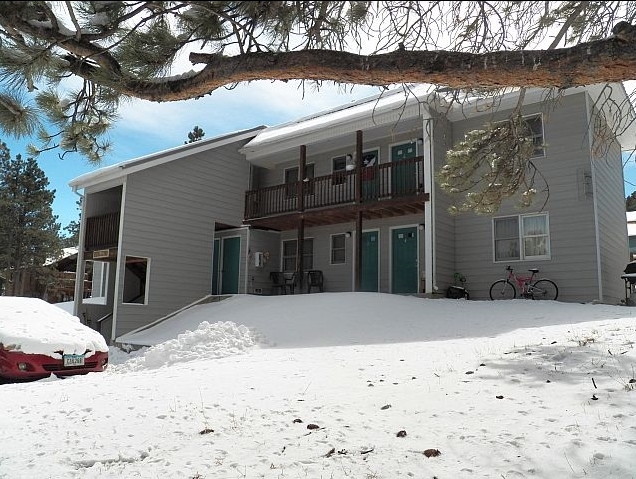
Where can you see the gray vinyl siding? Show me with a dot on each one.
(571, 214)
(169, 216)
(268, 243)
(613, 243)
(444, 224)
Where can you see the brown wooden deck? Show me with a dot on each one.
(389, 189)
(102, 232)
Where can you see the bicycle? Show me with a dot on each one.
(543, 288)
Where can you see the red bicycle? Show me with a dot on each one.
(543, 288)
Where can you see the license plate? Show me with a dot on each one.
(73, 360)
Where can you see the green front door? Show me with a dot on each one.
(216, 266)
(370, 269)
(402, 171)
(404, 260)
(231, 261)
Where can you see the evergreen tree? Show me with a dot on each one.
(630, 202)
(29, 234)
(195, 135)
(73, 230)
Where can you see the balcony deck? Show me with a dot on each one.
(389, 189)
(102, 232)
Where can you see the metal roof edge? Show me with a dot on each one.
(127, 167)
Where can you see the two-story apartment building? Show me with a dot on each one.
(351, 193)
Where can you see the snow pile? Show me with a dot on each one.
(208, 341)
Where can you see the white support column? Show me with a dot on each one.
(429, 217)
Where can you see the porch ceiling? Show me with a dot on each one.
(344, 214)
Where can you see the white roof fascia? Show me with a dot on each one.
(119, 170)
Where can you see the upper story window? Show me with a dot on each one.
(536, 126)
(291, 180)
(521, 237)
(339, 170)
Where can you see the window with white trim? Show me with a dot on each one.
(339, 170)
(136, 280)
(535, 123)
(521, 237)
(290, 251)
(338, 249)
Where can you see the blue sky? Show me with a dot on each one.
(146, 127)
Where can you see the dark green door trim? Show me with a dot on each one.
(403, 175)
(216, 266)
(370, 261)
(404, 260)
(231, 252)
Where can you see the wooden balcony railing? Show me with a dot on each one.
(388, 180)
(102, 231)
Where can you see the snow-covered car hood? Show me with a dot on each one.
(33, 326)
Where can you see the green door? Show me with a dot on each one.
(230, 271)
(404, 260)
(402, 171)
(370, 269)
(216, 266)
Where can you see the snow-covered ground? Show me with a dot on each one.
(348, 385)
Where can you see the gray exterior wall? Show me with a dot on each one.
(607, 169)
(444, 224)
(169, 214)
(268, 243)
(573, 264)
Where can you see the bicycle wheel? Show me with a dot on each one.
(502, 289)
(544, 289)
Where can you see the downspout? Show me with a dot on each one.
(248, 248)
(80, 268)
(429, 218)
(597, 235)
(118, 272)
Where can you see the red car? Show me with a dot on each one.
(38, 339)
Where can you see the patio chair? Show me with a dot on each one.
(314, 280)
(279, 284)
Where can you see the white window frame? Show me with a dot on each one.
(343, 249)
(146, 283)
(522, 236)
(541, 146)
(282, 253)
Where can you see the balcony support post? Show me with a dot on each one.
(299, 252)
(358, 257)
(301, 177)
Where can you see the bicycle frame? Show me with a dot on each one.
(524, 283)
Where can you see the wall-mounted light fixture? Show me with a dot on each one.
(421, 226)
(348, 234)
(420, 141)
(349, 157)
